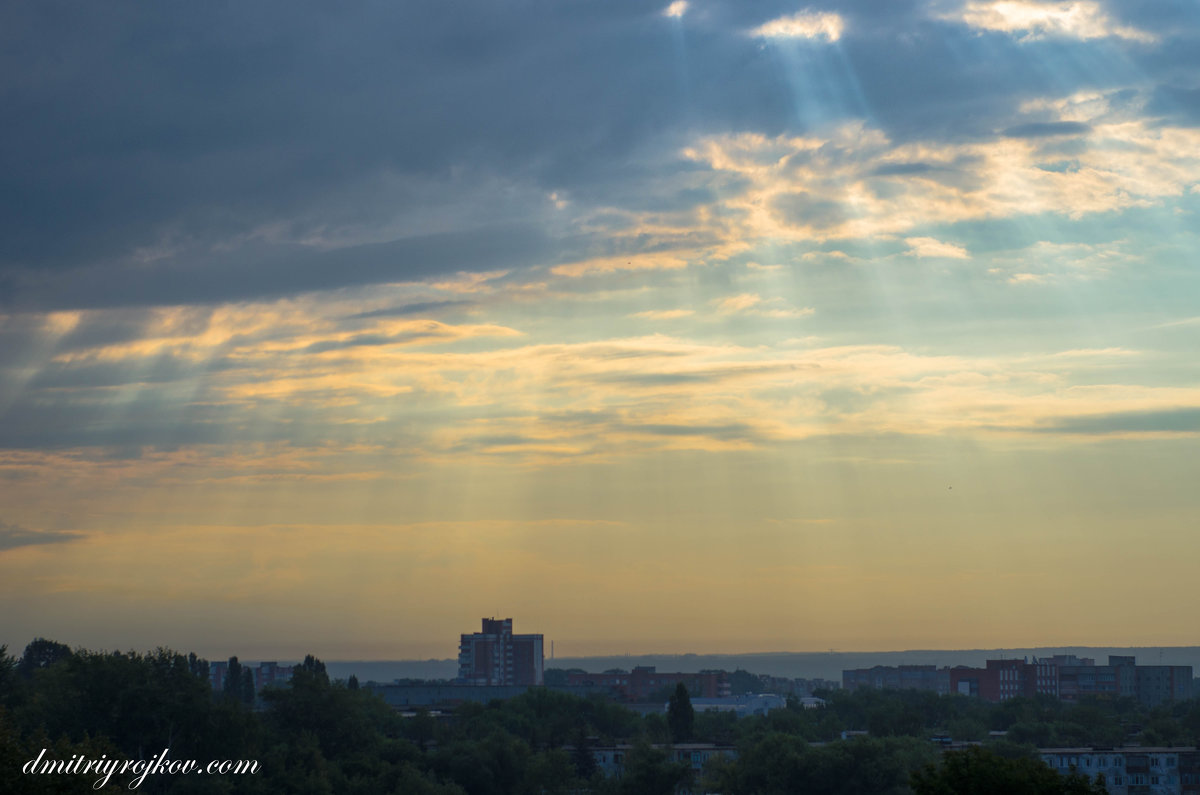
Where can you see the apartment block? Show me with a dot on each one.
(1071, 678)
(495, 656)
(1132, 770)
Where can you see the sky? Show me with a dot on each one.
(701, 326)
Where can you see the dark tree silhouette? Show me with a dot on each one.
(681, 718)
(977, 771)
(42, 653)
(233, 680)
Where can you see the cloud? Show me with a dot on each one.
(13, 536)
(310, 386)
(929, 247)
(852, 181)
(1048, 129)
(1183, 420)
(738, 303)
(755, 305)
(229, 184)
(633, 262)
(419, 308)
(676, 9)
(804, 25)
(663, 314)
(1077, 19)
(1046, 260)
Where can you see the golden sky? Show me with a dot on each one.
(702, 328)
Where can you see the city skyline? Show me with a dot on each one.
(697, 326)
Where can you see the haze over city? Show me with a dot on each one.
(709, 327)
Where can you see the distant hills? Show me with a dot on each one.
(807, 665)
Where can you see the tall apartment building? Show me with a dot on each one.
(496, 656)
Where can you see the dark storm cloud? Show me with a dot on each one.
(150, 152)
(264, 271)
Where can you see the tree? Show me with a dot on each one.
(197, 666)
(232, 686)
(247, 692)
(581, 756)
(648, 771)
(310, 673)
(681, 718)
(977, 771)
(8, 676)
(42, 653)
(742, 682)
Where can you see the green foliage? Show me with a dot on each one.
(582, 757)
(318, 736)
(8, 678)
(41, 654)
(232, 686)
(715, 726)
(648, 771)
(681, 718)
(310, 673)
(743, 682)
(782, 763)
(978, 771)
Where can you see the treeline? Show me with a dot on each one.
(321, 736)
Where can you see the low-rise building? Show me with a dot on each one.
(749, 704)
(1068, 678)
(610, 759)
(1132, 770)
(898, 677)
(644, 681)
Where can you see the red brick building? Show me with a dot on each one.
(496, 656)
